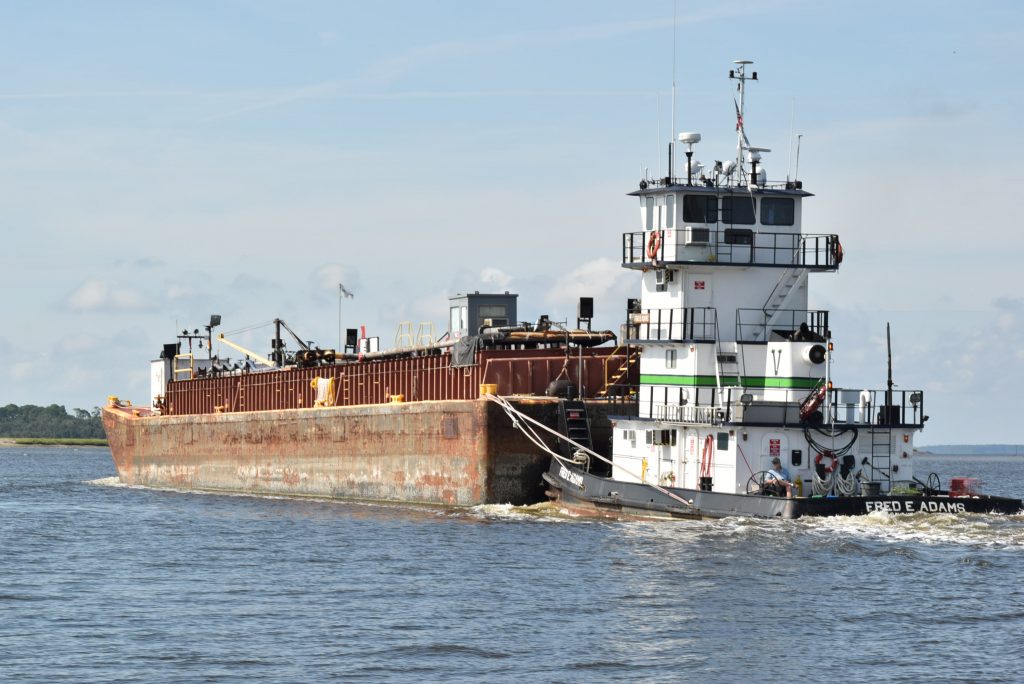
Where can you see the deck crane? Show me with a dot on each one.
(256, 357)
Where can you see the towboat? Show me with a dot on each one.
(737, 410)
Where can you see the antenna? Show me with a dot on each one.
(659, 134)
(796, 173)
(888, 348)
(672, 132)
(792, 119)
(740, 74)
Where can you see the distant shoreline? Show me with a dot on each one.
(973, 449)
(52, 441)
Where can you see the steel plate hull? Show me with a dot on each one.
(587, 494)
(459, 453)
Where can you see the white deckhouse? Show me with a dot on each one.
(735, 367)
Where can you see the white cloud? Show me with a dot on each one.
(495, 278)
(78, 343)
(329, 276)
(601, 278)
(23, 370)
(97, 294)
(176, 291)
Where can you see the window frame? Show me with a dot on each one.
(692, 201)
(769, 204)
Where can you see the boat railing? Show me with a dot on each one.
(691, 324)
(877, 407)
(683, 404)
(730, 246)
(752, 325)
(738, 405)
(704, 415)
(697, 180)
(855, 407)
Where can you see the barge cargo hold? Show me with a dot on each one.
(404, 425)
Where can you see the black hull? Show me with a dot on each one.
(589, 494)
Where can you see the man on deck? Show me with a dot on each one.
(776, 480)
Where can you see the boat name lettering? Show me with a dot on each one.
(922, 506)
(571, 477)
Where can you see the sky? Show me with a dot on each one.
(162, 162)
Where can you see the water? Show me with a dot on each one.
(105, 583)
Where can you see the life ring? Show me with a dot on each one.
(812, 402)
(653, 244)
(834, 461)
(837, 251)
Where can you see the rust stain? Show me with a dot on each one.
(394, 452)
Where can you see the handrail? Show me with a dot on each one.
(684, 183)
(752, 324)
(854, 407)
(745, 246)
(694, 323)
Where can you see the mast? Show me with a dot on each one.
(278, 354)
(889, 384)
(739, 73)
(742, 144)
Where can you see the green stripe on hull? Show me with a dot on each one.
(747, 381)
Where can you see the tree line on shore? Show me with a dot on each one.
(49, 421)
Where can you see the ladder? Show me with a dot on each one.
(403, 338)
(727, 367)
(183, 365)
(881, 453)
(613, 378)
(574, 423)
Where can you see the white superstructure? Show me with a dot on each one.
(735, 367)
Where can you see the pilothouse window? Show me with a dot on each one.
(670, 210)
(700, 208)
(649, 213)
(777, 211)
(738, 210)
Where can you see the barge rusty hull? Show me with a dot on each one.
(460, 453)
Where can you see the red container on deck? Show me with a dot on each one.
(963, 486)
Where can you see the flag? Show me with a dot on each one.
(739, 123)
(343, 291)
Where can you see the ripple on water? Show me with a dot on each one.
(236, 587)
(967, 529)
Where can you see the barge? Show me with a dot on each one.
(407, 424)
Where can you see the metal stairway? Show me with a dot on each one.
(574, 423)
(791, 279)
(612, 379)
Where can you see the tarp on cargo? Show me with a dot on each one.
(464, 351)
